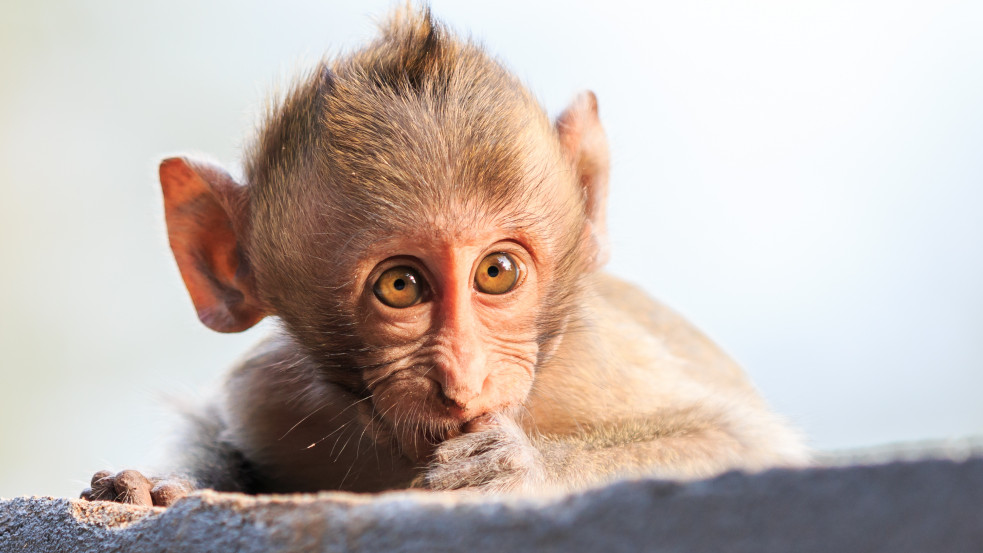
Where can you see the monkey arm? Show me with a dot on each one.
(687, 444)
(205, 459)
(643, 392)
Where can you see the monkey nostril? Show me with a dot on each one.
(452, 402)
(454, 389)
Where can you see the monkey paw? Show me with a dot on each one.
(130, 486)
(495, 455)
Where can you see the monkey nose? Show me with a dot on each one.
(461, 386)
(458, 400)
(454, 402)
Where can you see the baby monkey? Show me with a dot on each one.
(431, 244)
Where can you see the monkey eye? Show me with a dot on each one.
(497, 274)
(399, 287)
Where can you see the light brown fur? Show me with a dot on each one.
(420, 152)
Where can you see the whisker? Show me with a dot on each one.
(309, 415)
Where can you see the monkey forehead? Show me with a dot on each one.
(454, 228)
(418, 171)
(437, 232)
(436, 149)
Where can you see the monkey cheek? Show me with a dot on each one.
(415, 436)
(418, 443)
(417, 451)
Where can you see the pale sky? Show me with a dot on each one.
(801, 179)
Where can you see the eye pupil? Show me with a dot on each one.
(493, 271)
(399, 284)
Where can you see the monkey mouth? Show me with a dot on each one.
(420, 443)
(460, 416)
(416, 432)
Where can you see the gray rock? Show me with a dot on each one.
(926, 505)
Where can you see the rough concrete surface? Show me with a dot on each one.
(928, 505)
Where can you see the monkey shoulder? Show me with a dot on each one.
(637, 372)
(693, 378)
(629, 354)
(623, 303)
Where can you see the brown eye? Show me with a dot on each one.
(399, 287)
(497, 274)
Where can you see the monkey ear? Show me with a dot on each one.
(205, 208)
(586, 148)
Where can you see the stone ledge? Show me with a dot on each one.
(929, 505)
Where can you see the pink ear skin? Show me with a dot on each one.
(585, 146)
(204, 208)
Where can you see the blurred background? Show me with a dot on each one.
(803, 180)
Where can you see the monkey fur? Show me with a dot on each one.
(420, 156)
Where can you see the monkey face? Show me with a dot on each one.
(450, 324)
(418, 225)
(442, 318)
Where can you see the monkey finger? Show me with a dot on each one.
(101, 487)
(133, 488)
(467, 474)
(103, 492)
(166, 492)
(465, 447)
(99, 478)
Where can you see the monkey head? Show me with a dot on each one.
(414, 220)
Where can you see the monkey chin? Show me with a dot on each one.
(418, 439)
(413, 415)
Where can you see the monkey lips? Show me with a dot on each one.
(410, 409)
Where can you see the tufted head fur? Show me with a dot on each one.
(419, 135)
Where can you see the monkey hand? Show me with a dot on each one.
(130, 486)
(493, 455)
